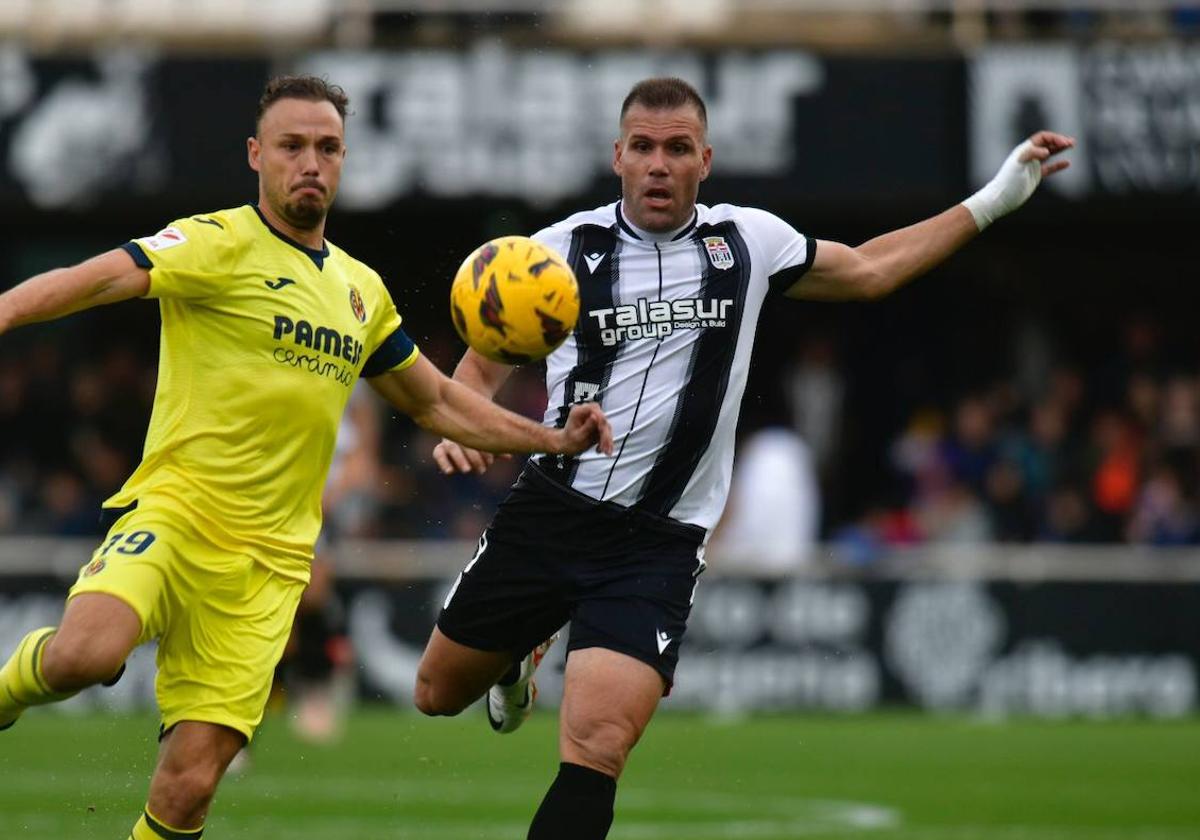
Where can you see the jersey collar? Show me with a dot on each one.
(313, 254)
(649, 236)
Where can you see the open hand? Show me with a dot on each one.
(1044, 145)
(454, 458)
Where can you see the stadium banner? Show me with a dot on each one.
(128, 128)
(1132, 107)
(1047, 649)
(488, 120)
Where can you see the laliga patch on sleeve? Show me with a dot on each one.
(166, 238)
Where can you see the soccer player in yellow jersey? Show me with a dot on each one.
(265, 329)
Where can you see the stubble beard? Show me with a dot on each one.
(303, 215)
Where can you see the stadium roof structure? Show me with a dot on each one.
(881, 25)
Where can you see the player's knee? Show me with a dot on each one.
(430, 699)
(602, 745)
(185, 791)
(70, 666)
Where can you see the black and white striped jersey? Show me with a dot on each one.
(663, 343)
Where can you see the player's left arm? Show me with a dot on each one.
(883, 264)
(451, 409)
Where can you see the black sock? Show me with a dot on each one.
(578, 806)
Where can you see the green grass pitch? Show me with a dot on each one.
(878, 777)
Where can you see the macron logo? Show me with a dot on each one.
(593, 261)
(663, 642)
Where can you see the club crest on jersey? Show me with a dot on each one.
(94, 567)
(718, 252)
(357, 306)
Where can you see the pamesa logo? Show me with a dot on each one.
(324, 340)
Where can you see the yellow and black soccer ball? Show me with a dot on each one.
(514, 300)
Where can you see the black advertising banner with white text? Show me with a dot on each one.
(129, 130)
(1052, 649)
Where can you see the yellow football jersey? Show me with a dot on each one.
(262, 342)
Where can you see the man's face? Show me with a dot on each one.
(298, 156)
(661, 157)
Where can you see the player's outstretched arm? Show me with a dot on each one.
(485, 377)
(107, 278)
(452, 410)
(883, 264)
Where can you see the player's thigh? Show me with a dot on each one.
(509, 598)
(638, 603)
(608, 699)
(134, 566)
(217, 657)
(96, 635)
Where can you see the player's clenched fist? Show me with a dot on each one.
(586, 425)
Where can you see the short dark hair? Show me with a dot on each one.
(310, 88)
(663, 94)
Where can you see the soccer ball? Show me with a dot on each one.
(514, 300)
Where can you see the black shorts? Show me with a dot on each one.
(623, 578)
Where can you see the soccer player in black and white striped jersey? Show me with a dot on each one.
(670, 296)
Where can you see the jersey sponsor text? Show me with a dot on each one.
(658, 318)
(319, 338)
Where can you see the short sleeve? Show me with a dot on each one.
(388, 346)
(189, 259)
(789, 253)
(557, 238)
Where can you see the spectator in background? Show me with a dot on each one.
(1010, 511)
(1180, 425)
(972, 449)
(955, 515)
(772, 520)
(1067, 517)
(1116, 465)
(1165, 513)
(815, 390)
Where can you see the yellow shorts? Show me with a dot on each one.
(221, 619)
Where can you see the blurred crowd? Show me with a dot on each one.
(1052, 452)
(72, 428)
(1056, 452)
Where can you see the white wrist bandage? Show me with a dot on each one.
(1011, 187)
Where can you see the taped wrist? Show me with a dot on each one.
(1008, 190)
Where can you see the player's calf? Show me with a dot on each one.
(193, 759)
(579, 805)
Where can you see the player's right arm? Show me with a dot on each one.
(448, 408)
(108, 278)
(485, 377)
